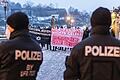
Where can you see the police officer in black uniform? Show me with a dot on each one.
(20, 56)
(98, 56)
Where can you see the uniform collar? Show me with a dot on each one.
(19, 33)
(101, 30)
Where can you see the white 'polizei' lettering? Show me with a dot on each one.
(117, 51)
(95, 50)
(87, 50)
(108, 51)
(27, 55)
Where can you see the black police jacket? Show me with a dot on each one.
(20, 57)
(95, 58)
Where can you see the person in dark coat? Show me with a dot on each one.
(86, 33)
(98, 56)
(20, 55)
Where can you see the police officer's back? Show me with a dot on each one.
(20, 56)
(97, 57)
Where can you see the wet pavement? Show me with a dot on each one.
(53, 65)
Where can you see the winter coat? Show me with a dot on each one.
(20, 57)
(95, 58)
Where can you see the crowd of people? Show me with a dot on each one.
(96, 57)
(43, 36)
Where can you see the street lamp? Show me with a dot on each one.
(5, 10)
(70, 20)
(5, 5)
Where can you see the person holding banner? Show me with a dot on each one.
(98, 56)
(20, 55)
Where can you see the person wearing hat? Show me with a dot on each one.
(20, 55)
(98, 56)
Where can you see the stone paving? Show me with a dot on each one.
(53, 65)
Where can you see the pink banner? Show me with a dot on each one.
(66, 37)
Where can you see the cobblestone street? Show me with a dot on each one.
(53, 65)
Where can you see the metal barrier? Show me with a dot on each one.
(3, 38)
